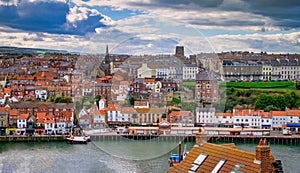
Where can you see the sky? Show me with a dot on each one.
(152, 26)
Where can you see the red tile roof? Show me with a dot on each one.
(215, 153)
(13, 112)
(227, 114)
(23, 116)
(293, 112)
(278, 113)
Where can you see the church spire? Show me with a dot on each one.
(106, 50)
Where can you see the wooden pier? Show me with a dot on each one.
(117, 137)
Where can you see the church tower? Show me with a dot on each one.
(106, 67)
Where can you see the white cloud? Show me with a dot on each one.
(80, 13)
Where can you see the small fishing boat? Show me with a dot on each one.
(77, 139)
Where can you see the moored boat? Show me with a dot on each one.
(77, 139)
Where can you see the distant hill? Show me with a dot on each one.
(18, 50)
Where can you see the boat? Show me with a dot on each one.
(88, 138)
(77, 139)
(177, 158)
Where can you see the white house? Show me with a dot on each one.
(98, 118)
(279, 118)
(246, 118)
(224, 119)
(41, 94)
(61, 126)
(206, 116)
(144, 71)
(82, 112)
(266, 120)
(113, 113)
(22, 121)
(49, 124)
(162, 73)
(293, 116)
(102, 103)
(189, 71)
(123, 90)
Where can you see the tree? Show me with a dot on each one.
(263, 101)
(97, 98)
(279, 101)
(176, 100)
(297, 85)
(131, 100)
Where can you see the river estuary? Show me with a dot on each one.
(110, 156)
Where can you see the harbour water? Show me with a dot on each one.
(110, 156)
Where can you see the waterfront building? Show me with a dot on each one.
(13, 117)
(208, 157)
(147, 116)
(293, 116)
(279, 118)
(85, 122)
(50, 124)
(181, 119)
(206, 117)
(3, 117)
(22, 123)
(99, 119)
(113, 112)
(247, 118)
(224, 119)
(266, 120)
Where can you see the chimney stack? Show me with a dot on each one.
(197, 141)
(263, 155)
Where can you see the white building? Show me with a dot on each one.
(144, 71)
(41, 94)
(279, 118)
(206, 116)
(113, 112)
(162, 73)
(50, 124)
(61, 126)
(189, 71)
(246, 118)
(293, 116)
(266, 120)
(224, 119)
(22, 121)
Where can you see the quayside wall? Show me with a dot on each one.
(285, 140)
(43, 138)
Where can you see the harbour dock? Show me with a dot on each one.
(284, 140)
(39, 138)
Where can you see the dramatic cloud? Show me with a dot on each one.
(155, 26)
(52, 17)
